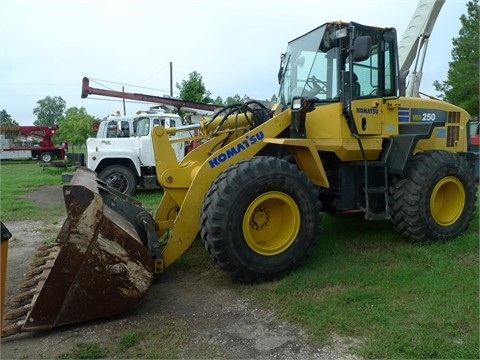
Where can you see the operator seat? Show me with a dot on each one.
(355, 86)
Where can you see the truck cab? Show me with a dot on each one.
(122, 153)
(116, 126)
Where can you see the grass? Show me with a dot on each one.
(401, 300)
(150, 198)
(130, 339)
(362, 280)
(89, 350)
(168, 341)
(18, 178)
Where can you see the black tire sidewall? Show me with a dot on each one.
(410, 197)
(125, 173)
(240, 194)
(46, 155)
(447, 169)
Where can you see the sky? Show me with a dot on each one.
(48, 46)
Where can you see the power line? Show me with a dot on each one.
(97, 81)
(155, 73)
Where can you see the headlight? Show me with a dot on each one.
(296, 103)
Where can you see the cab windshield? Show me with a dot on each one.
(311, 66)
(143, 124)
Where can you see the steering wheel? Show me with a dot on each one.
(315, 86)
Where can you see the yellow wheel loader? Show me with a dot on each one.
(342, 139)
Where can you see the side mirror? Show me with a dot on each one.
(362, 47)
(280, 70)
(300, 107)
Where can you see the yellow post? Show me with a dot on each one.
(5, 236)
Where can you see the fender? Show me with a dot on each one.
(100, 151)
(307, 158)
(186, 183)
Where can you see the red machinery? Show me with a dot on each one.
(88, 90)
(177, 103)
(45, 150)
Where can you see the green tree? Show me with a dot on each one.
(462, 85)
(76, 127)
(6, 119)
(218, 101)
(194, 89)
(49, 111)
(236, 99)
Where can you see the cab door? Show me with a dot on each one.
(374, 79)
(146, 154)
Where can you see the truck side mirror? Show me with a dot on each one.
(362, 48)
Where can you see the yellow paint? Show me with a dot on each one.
(271, 223)
(447, 201)
(3, 269)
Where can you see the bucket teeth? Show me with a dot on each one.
(42, 254)
(46, 247)
(38, 262)
(37, 271)
(31, 283)
(17, 313)
(41, 261)
(22, 303)
(12, 329)
(24, 297)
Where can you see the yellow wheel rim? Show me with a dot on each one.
(271, 223)
(447, 201)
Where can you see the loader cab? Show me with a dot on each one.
(326, 62)
(346, 64)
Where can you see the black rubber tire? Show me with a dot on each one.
(436, 199)
(46, 157)
(119, 178)
(260, 219)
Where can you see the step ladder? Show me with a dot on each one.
(378, 189)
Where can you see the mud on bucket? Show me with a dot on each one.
(100, 264)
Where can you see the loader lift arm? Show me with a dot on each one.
(186, 183)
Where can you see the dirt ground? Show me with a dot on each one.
(204, 304)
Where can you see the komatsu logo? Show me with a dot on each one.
(371, 111)
(237, 149)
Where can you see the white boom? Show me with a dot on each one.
(413, 45)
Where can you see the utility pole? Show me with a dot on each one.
(171, 80)
(124, 109)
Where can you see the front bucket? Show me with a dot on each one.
(99, 265)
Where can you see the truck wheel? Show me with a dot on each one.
(46, 157)
(260, 219)
(120, 178)
(436, 199)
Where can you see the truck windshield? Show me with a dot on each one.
(311, 66)
(143, 126)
